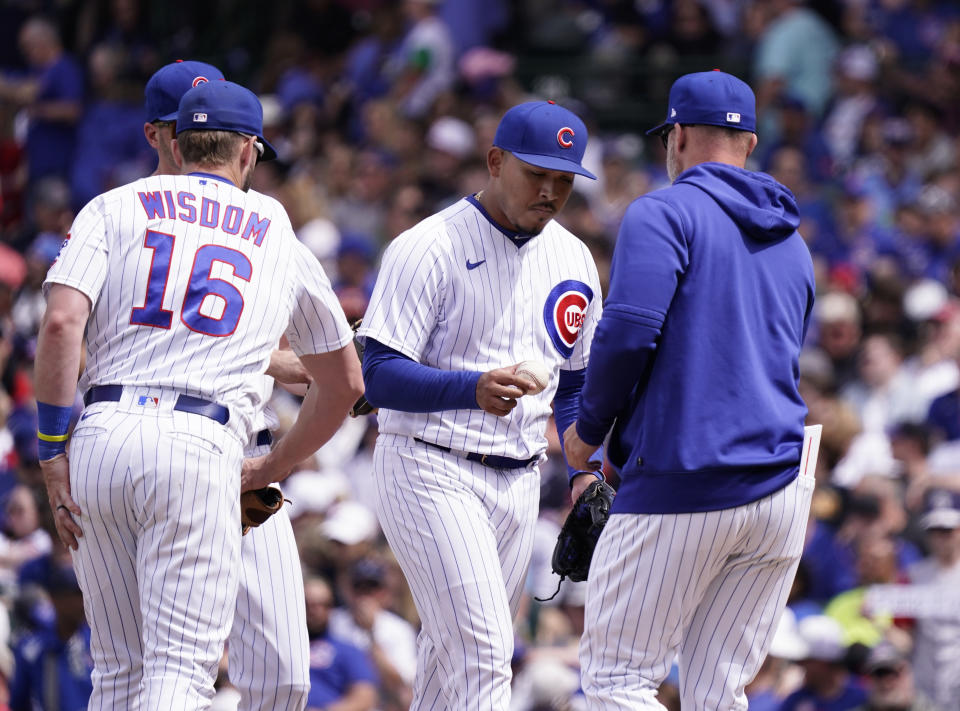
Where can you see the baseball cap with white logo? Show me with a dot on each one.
(169, 83)
(223, 106)
(941, 509)
(546, 135)
(712, 98)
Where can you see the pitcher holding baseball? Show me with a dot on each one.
(481, 316)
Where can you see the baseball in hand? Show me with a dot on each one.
(536, 372)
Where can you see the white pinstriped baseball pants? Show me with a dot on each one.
(463, 535)
(268, 647)
(158, 558)
(707, 587)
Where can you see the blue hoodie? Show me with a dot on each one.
(711, 291)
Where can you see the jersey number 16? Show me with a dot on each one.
(201, 285)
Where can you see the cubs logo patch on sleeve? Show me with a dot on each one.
(563, 313)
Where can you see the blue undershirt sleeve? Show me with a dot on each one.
(566, 402)
(394, 381)
(623, 346)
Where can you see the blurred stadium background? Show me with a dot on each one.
(382, 111)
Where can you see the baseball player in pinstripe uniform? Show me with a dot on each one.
(696, 360)
(268, 645)
(462, 298)
(184, 285)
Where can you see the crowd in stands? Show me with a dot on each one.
(382, 111)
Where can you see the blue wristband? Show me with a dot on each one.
(53, 422)
(598, 473)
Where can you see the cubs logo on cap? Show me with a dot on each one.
(546, 135)
(563, 313)
(169, 83)
(711, 98)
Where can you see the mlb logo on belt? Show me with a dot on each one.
(148, 401)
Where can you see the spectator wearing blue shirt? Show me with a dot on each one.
(828, 564)
(941, 236)
(797, 131)
(886, 176)
(106, 159)
(828, 685)
(858, 242)
(944, 417)
(53, 665)
(52, 96)
(341, 675)
(790, 165)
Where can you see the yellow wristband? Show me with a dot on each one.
(52, 438)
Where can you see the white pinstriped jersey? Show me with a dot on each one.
(455, 293)
(193, 281)
(265, 417)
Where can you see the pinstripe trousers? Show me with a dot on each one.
(158, 559)
(268, 647)
(463, 535)
(706, 588)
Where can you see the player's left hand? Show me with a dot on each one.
(579, 452)
(56, 477)
(285, 367)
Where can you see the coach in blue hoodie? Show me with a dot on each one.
(694, 368)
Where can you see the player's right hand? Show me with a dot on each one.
(56, 477)
(255, 474)
(498, 390)
(285, 367)
(578, 453)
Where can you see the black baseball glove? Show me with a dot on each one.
(257, 505)
(578, 537)
(361, 407)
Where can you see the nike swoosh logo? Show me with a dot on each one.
(85, 415)
(474, 265)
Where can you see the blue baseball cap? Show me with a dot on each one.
(712, 98)
(941, 509)
(223, 106)
(546, 135)
(169, 83)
